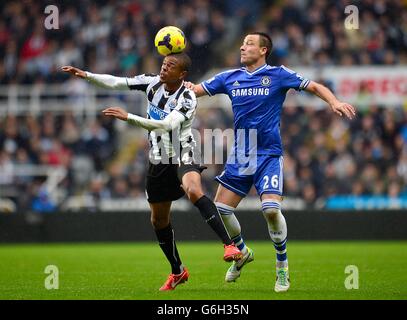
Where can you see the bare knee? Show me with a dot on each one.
(194, 192)
(159, 223)
(271, 207)
(160, 214)
(227, 197)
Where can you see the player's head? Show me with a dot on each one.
(256, 46)
(175, 67)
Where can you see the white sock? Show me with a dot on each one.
(277, 227)
(232, 225)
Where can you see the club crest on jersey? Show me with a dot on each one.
(265, 81)
(173, 104)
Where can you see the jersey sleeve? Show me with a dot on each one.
(290, 79)
(215, 84)
(186, 104)
(141, 82)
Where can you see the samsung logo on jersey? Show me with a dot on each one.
(250, 92)
(156, 113)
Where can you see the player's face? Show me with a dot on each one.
(250, 51)
(171, 70)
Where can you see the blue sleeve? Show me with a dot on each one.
(215, 84)
(290, 79)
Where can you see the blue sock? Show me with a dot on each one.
(238, 240)
(281, 251)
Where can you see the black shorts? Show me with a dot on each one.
(163, 181)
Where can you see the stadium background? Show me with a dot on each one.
(69, 174)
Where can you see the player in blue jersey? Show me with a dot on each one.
(257, 92)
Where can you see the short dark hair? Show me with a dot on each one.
(184, 59)
(265, 41)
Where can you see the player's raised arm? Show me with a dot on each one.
(325, 94)
(196, 88)
(172, 121)
(101, 80)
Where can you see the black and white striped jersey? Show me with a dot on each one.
(165, 145)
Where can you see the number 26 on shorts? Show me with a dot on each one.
(273, 181)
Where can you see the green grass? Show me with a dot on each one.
(137, 270)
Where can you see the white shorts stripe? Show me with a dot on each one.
(238, 191)
(280, 179)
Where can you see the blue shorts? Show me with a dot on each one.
(266, 174)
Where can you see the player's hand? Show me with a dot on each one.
(344, 108)
(75, 71)
(196, 88)
(116, 112)
(189, 85)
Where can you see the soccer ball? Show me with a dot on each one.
(170, 39)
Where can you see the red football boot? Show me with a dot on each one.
(232, 253)
(174, 280)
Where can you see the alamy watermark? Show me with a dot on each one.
(237, 146)
(352, 280)
(52, 20)
(51, 282)
(352, 20)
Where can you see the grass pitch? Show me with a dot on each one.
(137, 270)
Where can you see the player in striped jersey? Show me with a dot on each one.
(257, 92)
(170, 112)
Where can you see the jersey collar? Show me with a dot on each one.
(167, 94)
(255, 71)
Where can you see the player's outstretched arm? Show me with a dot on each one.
(101, 80)
(196, 88)
(325, 94)
(172, 121)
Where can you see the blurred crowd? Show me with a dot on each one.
(105, 36)
(51, 141)
(324, 154)
(327, 155)
(313, 33)
(116, 37)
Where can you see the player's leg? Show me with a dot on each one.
(277, 226)
(191, 182)
(162, 187)
(226, 201)
(269, 184)
(160, 219)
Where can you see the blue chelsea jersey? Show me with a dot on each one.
(257, 99)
